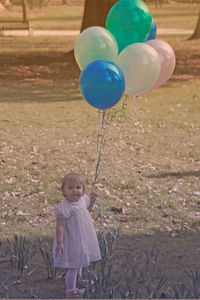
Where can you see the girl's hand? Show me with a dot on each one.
(93, 196)
(59, 249)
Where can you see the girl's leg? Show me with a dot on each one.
(79, 277)
(70, 279)
(80, 282)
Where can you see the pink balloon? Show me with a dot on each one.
(168, 62)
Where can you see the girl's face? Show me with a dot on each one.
(73, 191)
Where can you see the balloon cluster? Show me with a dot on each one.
(123, 57)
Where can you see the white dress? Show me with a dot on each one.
(80, 240)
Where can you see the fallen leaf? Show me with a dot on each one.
(116, 210)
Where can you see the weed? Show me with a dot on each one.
(19, 252)
(48, 260)
(102, 283)
(143, 276)
(194, 282)
(180, 292)
(3, 288)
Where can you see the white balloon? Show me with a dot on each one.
(141, 66)
(95, 43)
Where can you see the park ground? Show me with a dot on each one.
(150, 166)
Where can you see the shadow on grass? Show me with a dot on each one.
(47, 75)
(39, 77)
(45, 66)
(39, 57)
(39, 93)
(175, 255)
(175, 174)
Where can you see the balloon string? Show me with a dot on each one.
(101, 138)
(122, 111)
(137, 114)
(107, 117)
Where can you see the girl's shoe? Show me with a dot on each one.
(84, 284)
(75, 294)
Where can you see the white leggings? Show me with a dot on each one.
(71, 277)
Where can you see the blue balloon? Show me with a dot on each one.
(152, 34)
(102, 84)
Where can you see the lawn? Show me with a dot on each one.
(150, 165)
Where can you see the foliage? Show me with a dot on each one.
(119, 274)
(136, 277)
(194, 279)
(143, 278)
(19, 252)
(180, 292)
(102, 284)
(48, 260)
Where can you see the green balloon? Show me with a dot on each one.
(129, 21)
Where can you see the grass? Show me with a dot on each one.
(150, 166)
(154, 159)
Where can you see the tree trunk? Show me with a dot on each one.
(196, 34)
(95, 12)
(158, 3)
(2, 7)
(24, 10)
(6, 3)
(67, 2)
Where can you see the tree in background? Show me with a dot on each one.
(24, 10)
(95, 12)
(5, 4)
(67, 2)
(196, 34)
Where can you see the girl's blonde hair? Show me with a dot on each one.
(73, 178)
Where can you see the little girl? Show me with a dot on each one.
(75, 244)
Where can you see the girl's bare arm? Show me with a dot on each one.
(60, 226)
